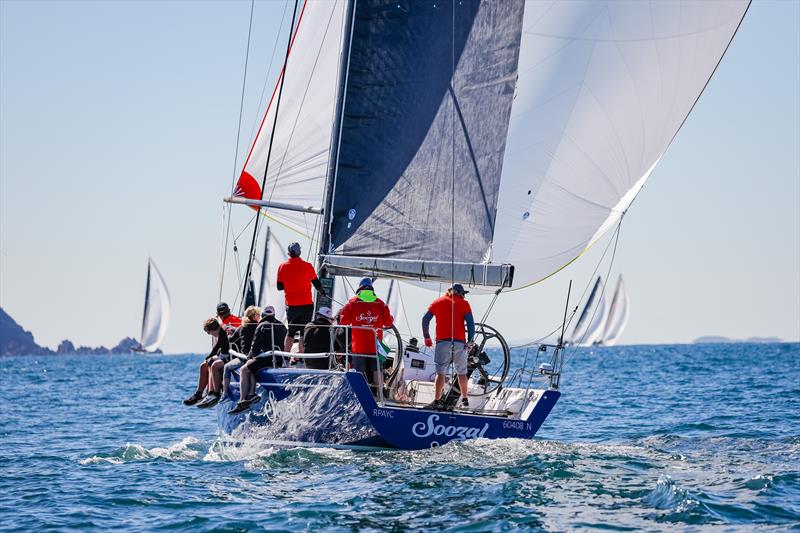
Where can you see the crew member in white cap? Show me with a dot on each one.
(317, 337)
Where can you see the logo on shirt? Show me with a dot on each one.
(367, 318)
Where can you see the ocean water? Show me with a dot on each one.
(686, 437)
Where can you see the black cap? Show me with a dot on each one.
(222, 307)
(459, 289)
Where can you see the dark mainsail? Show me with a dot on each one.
(413, 130)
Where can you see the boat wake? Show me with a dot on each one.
(188, 449)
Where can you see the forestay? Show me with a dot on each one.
(156, 309)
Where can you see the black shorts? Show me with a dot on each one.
(297, 316)
(265, 361)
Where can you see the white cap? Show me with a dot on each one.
(268, 310)
(325, 311)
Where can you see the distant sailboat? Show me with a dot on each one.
(617, 315)
(591, 324)
(156, 310)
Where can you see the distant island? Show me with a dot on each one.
(725, 340)
(14, 340)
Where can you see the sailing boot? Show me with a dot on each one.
(194, 398)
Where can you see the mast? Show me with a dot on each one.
(264, 264)
(146, 303)
(330, 181)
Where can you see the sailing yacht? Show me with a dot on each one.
(617, 315)
(481, 142)
(599, 323)
(591, 323)
(155, 318)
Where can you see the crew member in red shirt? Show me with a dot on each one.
(453, 315)
(229, 321)
(295, 278)
(366, 309)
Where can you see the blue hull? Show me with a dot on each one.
(337, 409)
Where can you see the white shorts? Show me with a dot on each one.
(450, 352)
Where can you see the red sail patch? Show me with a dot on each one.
(248, 187)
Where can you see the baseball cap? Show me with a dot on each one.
(294, 249)
(325, 311)
(458, 289)
(268, 310)
(222, 307)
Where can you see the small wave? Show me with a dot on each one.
(187, 449)
(668, 495)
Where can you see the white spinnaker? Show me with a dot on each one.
(603, 88)
(156, 310)
(617, 315)
(299, 157)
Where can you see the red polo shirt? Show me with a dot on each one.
(296, 276)
(449, 313)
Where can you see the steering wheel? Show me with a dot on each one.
(492, 372)
(393, 334)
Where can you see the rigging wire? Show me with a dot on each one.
(251, 253)
(300, 108)
(269, 69)
(602, 291)
(453, 165)
(226, 208)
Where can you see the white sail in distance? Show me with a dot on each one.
(599, 315)
(156, 309)
(592, 314)
(617, 315)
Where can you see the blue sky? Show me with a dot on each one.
(117, 137)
